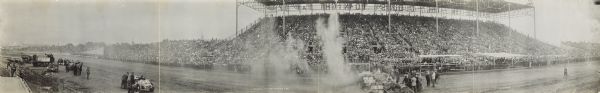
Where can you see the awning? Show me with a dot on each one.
(440, 55)
(501, 55)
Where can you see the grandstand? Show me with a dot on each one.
(374, 30)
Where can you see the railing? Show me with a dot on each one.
(24, 84)
(245, 28)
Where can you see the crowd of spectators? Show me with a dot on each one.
(367, 38)
(202, 54)
(147, 53)
(371, 37)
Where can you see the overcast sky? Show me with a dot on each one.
(77, 21)
(567, 20)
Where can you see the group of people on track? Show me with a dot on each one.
(415, 79)
(12, 67)
(132, 82)
(75, 66)
(398, 81)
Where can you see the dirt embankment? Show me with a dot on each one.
(41, 82)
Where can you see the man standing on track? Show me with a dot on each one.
(68, 66)
(131, 82)
(8, 65)
(434, 77)
(428, 78)
(406, 80)
(413, 83)
(65, 63)
(566, 73)
(13, 69)
(124, 80)
(88, 73)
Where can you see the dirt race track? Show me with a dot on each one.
(106, 76)
(583, 77)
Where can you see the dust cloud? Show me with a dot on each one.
(338, 72)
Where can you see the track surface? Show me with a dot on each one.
(106, 76)
(583, 77)
(11, 84)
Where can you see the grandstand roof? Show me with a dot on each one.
(490, 6)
